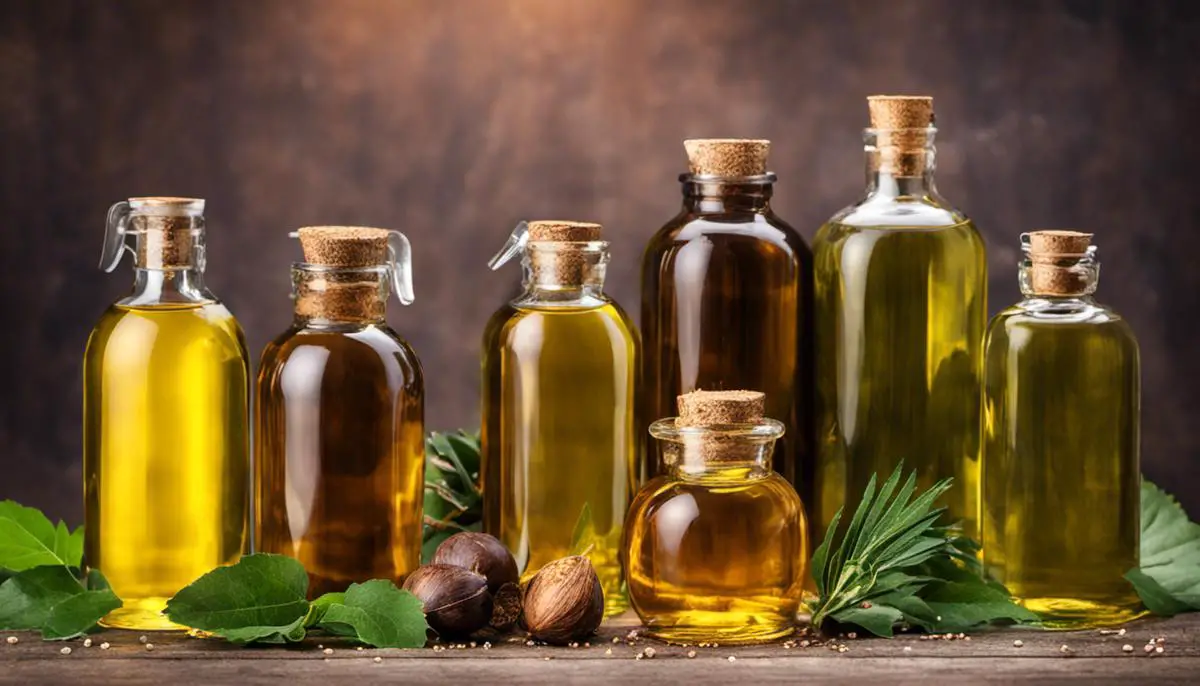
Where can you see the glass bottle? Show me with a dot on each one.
(339, 420)
(560, 444)
(1061, 480)
(901, 282)
(165, 440)
(716, 547)
(727, 299)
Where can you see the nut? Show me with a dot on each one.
(506, 607)
(456, 600)
(482, 554)
(564, 601)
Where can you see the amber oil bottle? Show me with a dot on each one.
(727, 299)
(165, 439)
(901, 281)
(716, 547)
(339, 420)
(560, 443)
(1061, 484)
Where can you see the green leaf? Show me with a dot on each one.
(292, 633)
(317, 609)
(1156, 598)
(878, 619)
(261, 595)
(28, 539)
(51, 599)
(378, 614)
(583, 536)
(962, 605)
(1170, 554)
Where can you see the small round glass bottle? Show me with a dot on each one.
(339, 418)
(1061, 481)
(715, 548)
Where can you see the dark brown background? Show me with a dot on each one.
(450, 120)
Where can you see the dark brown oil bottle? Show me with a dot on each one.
(339, 463)
(727, 299)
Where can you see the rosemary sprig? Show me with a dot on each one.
(895, 566)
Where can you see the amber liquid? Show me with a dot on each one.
(727, 305)
(719, 556)
(1061, 484)
(901, 312)
(560, 434)
(165, 451)
(339, 459)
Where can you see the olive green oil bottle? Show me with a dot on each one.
(1061, 484)
(165, 437)
(560, 440)
(901, 308)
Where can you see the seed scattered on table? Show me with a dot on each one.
(66, 650)
(691, 653)
(142, 638)
(1159, 650)
(328, 651)
(149, 646)
(733, 658)
(378, 660)
(12, 640)
(1064, 649)
(105, 645)
(1127, 648)
(87, 643)
(908, 649)
(1018, 643)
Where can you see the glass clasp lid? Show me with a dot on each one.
(115, 231)
(514, 246)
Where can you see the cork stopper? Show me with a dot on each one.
(559, 254)
(716, 408)
(901, 124)
(730, 157)
(563, 231)
(344, 246)
(1055, 268)
(168, 229)
(342, 295)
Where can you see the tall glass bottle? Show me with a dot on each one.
(339, 420)
(560, 440)
(727, 299)
(165, 441)
(1061, 481)
(716, 548)
(901, 281)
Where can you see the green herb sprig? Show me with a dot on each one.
(894, 566)
(453, 498)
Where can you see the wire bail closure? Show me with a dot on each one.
(514, 246)
(115, 231)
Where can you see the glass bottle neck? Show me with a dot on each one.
(163, 286)
(723, 453)
(328, 297)
(721, 195)
(900, 163)
(564, 272)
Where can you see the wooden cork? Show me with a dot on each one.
(355, 288)
(561, 231)
(344, 246)
(716, 408)
(167, 229)
(901, 124)
(729, 157)
(1054, 257)
(558, 251)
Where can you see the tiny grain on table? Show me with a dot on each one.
(1162, 651)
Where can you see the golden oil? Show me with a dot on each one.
(1061, 479)
(560, 443)
(165, 404)
(716, 547)
(727, 300)
(901, 307)
(339, 428)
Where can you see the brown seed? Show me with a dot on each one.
(456, 600)
(564, 601)
(482, 554)
(506, 607)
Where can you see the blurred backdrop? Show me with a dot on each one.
(451, 120)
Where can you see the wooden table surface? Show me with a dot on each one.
(991, 656)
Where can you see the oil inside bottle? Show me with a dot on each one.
(339, 464)
(901, 308)
(1061, 484)
(560, 444)
(165, 405)
(716, 546)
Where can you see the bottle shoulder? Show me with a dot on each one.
(667, 488)
(913, 213)
(1061, 319)
(372, 344)
(727, 231)
(158, 327)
